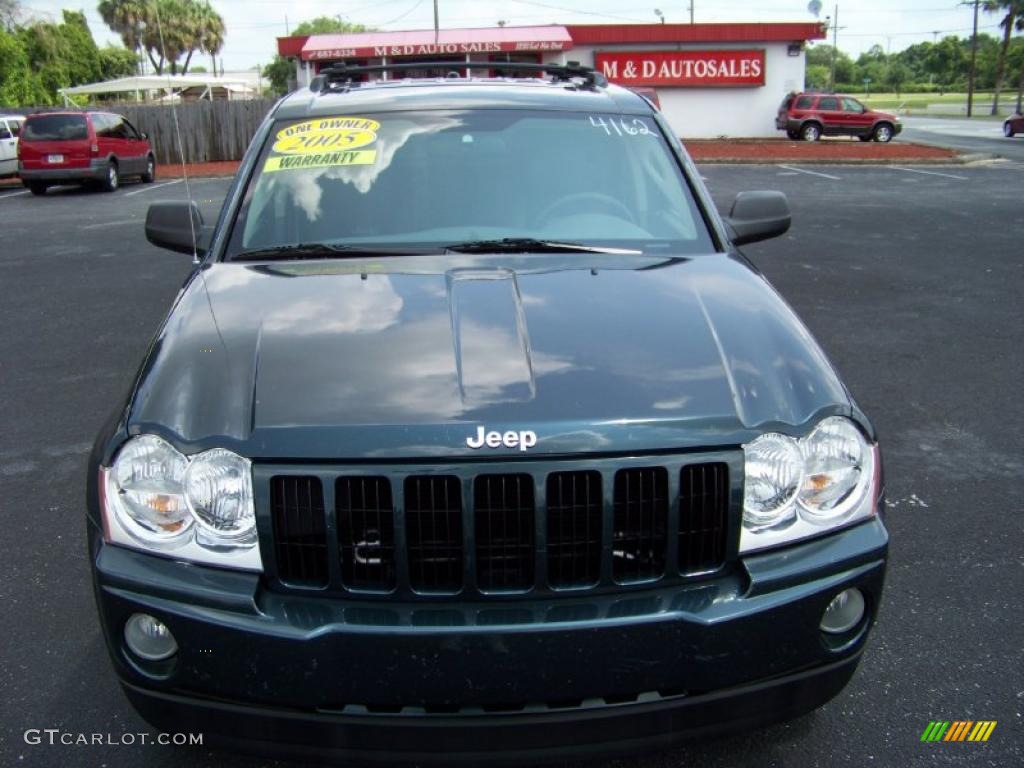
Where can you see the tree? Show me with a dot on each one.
(896, 75)
(117, 62)
(166, 30)
(280, 71)
(946, 60)
(1014, 18)
(127, 18)
(821, 55)
(10, 12)
(19, 84)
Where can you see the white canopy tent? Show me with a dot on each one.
(171, 86)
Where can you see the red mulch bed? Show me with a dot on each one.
(173, 171)
(825, 151)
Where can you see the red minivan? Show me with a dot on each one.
(82, 147)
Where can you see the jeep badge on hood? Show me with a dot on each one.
(524, 439)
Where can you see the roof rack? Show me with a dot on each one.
(342, 74)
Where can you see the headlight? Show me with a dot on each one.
(148, 475)
(197, 508)
(218, 487)
(797, 488)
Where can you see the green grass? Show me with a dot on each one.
(918, 102)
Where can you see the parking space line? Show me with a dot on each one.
(110, 224)
(930, 173)
(15, 194)
(151, 187)
(811, 173)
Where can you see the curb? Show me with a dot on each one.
(958, 160)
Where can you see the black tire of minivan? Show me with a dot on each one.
(112, 180)
(150, 175)
(883, 133)
(37, 188)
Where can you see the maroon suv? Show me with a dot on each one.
(809, 116)
(81, 147)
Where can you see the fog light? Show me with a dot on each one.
(149, 638)
(844, 612)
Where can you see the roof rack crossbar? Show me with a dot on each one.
(342, 74)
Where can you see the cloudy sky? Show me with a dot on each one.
(253, 25)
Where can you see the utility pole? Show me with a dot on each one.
(691, 11)
(974, 61)
(835, 47)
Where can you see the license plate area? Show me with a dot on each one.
(55, 159)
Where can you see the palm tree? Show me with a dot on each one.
(209, 30)
(1014, 19)
(128, 18)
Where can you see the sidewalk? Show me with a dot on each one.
(838, 150)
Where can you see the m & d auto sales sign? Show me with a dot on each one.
(694, 69)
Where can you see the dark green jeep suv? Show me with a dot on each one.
(472, 435)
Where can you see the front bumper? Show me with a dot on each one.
(97, 171)
(504, 680)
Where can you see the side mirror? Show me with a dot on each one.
(171, 225)
(758, 216)
(143, 135)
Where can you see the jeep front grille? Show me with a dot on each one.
(703, 491)
(406, 531)
(505, 552)
(300, 533)
(366, 532)
(575, 511)
(433, 521)
(641, 518)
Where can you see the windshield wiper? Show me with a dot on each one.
(530, 245)
(320, 251)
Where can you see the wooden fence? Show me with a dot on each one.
(210, 130)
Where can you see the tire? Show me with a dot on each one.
(793, 135)
(810, 132)
(150, 174)
(37, 188)
(1008, 129)
(113, 178)
(882, 133)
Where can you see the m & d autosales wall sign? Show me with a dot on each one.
(700, 69)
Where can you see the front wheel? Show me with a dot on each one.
(1008, 129)
(150, 174)
(112, 180)
(883, 133)
(810, 132)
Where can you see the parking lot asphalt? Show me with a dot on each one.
(910, 278)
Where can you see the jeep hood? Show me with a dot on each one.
(407, 356)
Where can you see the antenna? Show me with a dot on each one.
(177, 130)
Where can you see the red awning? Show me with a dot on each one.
(422, 42)
(617, 34)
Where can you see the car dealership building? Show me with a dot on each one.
(711, 79)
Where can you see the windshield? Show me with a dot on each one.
(55, 128)
(450, 178)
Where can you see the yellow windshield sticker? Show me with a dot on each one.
(325, 134)
(320, 160)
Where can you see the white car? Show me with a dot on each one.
(10, 130)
